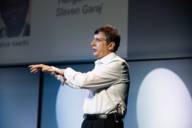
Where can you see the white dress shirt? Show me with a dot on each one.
(107, 85)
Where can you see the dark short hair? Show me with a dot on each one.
(111, 33)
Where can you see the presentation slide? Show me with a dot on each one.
(57, 31)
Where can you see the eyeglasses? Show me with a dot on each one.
(99, 39)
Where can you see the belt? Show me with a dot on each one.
(114, 116)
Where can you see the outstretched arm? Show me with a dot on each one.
(45, 68)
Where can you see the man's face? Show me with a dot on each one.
(100, 46)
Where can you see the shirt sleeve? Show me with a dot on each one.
(59, 77)
(101, 77)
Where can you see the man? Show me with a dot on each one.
(14, 16)
(107, 84)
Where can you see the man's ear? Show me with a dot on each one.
(111, 46)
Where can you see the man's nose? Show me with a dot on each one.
(92, 43)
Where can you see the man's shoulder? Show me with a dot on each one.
(119, 59)
(117, 62)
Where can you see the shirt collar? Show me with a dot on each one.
(106, 58)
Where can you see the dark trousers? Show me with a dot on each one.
(102, 123)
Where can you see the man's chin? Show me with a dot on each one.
(95, 55)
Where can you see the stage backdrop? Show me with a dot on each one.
(59, 30)
(159, 97)
(19, 93)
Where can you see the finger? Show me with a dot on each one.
(34, 70)
(36, 66)
(31, 66)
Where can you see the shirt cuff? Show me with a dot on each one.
(59, 77)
